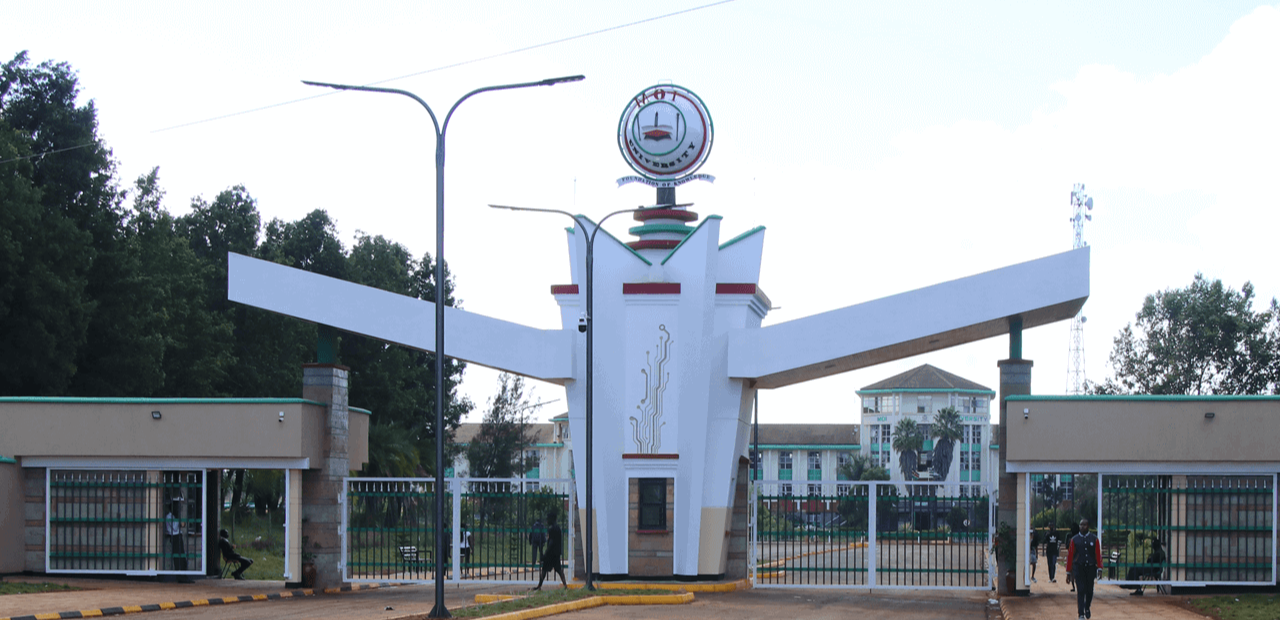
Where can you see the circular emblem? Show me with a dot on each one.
(665, 133)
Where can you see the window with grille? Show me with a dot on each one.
(653, 504)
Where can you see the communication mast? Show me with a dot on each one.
(1081, 203)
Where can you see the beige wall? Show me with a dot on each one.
(1144, 429)
(12, 532)
(185, 430)
(357, 439)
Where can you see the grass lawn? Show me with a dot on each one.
(544, 598)
(28, 588)
(268, 563)
(1238, 606)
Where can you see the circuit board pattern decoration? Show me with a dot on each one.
(646, 427)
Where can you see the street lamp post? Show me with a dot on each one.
(588, 316)
(440, 611)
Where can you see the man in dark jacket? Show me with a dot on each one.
(230, 556)
(1084, 559)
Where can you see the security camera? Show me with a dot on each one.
(582, 324)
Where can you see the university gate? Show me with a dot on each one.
(490, 528)
(870, 534)
(1166, 529)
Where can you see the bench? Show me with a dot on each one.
(415, 559)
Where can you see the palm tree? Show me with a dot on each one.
(860, 468)
(947, 429)
(908, 441)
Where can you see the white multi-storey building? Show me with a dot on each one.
(919, 394)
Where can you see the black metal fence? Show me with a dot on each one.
(1213, 530)
(502, 534)
(126, 521)
(872, 534)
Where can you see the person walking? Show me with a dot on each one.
(538, 540)
(1075, 530)
(1035, 546)
(1084, 557)
(464, 545)
(1051, 548)
(551, 557)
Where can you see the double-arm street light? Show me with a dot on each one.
(440, 611)
(589, 321)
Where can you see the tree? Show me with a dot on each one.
(1202, 339)
(498, 450)
(908, 440)
(56, 200)
(947, 429)
(396, 382)
(860, 468)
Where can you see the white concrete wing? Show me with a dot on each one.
(475, 338)
(944, 315)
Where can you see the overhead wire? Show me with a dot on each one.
(456, 64)
(402, 77)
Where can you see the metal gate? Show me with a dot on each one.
(870, 534)
(389, 530)
(1188, 530)
(140, 522)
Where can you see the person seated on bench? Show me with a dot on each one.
(1136, 573)
(229, 555)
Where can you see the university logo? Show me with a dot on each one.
(665, 134)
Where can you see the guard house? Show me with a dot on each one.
(97, 485)
(1196, 473)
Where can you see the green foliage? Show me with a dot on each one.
(907, 441)
(497, 451)
(1202, 339)
(1238, 606)
(100, 299)
(859, 467)
(17, 587)
(947, 429)
(54, 205)
(1005, 545)
(392, 453)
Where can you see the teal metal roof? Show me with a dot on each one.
(158, 401)
(1149, 397)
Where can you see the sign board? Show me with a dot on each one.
(665, 133)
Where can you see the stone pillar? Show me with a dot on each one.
(322, 484)
(1015, 379)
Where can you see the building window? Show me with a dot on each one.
(844, 489)
(881, 433)
(815, 460)
(924, 404)
(880, 404)
(970, 404)
(784, 490)
(972, 434)
(784, 461)
(653, 504)
(815, 490)
(925, 464)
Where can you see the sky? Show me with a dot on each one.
(884, 146)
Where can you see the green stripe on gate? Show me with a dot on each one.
(971, 571)
(1194, 528)
(816, 569)
(1123, 491)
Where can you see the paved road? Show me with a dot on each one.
(787, 603)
